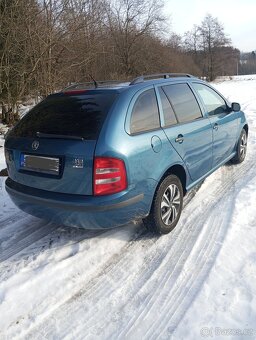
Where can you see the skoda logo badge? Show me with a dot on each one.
(35, 145)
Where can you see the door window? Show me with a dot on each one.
(213, 102)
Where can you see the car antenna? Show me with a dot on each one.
(94, 81)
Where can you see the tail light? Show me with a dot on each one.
(109, 176)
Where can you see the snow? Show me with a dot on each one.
(3, 129)
(2, 160)
(236, 78)
(199, 281)
(24, 109)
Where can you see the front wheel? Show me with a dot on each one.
(241, 148)
(166, 207)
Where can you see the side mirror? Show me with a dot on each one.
(235, 107)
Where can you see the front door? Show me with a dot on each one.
(224, 123)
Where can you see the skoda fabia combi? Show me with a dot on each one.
(104, 156)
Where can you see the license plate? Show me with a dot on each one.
(46, 165)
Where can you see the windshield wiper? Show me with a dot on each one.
(52, 135)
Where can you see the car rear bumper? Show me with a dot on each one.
(80, 211)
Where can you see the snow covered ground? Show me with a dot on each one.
(3, 130)
(199, 281)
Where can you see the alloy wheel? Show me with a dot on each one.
(170, 204)
(243, 145)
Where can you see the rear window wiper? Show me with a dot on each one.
(52, 135)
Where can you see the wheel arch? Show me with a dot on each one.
(179, 171)
(151, 220)
(246, 128)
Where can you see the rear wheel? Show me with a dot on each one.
(241, 148)
(166, 207)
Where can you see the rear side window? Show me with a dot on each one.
(145, 116)
(69, 115)
(213, 102)
(183, 102)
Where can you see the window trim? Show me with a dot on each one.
(130, 109)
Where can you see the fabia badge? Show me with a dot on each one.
(35, 145)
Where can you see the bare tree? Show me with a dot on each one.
(213, 38)
(192, 40)
(14, 51)
(208, 45)
(128, 21)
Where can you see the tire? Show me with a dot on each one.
(166, 206)
(241, 148)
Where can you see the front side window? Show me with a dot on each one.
(145, 116)
(183, 102)
(213, 102)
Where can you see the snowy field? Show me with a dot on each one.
(199, 281)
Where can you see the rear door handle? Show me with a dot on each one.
(215, 126)
(179, 139)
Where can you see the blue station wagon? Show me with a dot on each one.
(103, 155)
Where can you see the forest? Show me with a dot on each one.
(46, 45)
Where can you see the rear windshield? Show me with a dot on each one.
(69, 115)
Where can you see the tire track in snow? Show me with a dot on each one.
(17, 227)
(179, 303)
(91, 287)
(11, 219)
(25, 238)
(178, 279)
(55, 263)
(185, 288)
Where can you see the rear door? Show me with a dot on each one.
(188, 131)
(224, 122)
(52, 147)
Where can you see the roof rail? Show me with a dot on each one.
(91, 84)
(141, 79)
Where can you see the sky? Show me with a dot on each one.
(237, 16)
